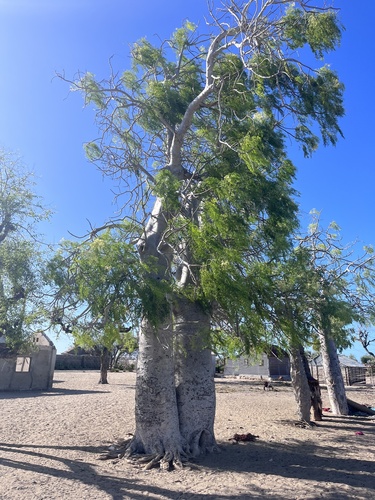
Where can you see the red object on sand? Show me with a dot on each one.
(326, 409)
(359, 433)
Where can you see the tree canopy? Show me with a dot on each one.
(195, 133)
(21, 300)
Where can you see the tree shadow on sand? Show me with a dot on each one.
(298, 459)
(116, 485)
(294, 460)
(52, 392)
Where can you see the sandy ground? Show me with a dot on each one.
(49, 444)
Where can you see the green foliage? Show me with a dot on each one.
(21, 311)
(202, 124)
(320, 30)
(92, 151)
(367, 359)
(20, 208)
(93, 92)
(225, 345)
(167, 187)
(101, 286)
(314, 98)
(181, 37)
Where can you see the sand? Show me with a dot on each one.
(50, 443)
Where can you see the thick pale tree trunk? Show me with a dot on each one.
(157, 422)
(333, 375)
(194, 377)
(175, 393)
(300, 384)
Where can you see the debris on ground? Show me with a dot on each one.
(243, 437)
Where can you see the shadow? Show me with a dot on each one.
(115, 486)
(350, 423)
(127, 386)
(243, 384)
(294, 460)
(52, 392)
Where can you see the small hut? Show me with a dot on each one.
(271, 365)
(352, 371)
(30, 371)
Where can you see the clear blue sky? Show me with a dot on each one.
(47, 125)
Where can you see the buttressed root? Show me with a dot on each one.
(167, 460)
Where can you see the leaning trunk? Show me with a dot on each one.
(104, 366)
(333, 375)
(194, 377)
(300, 384)
(315, 392)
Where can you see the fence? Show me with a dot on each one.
(77, 362)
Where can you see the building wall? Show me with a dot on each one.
(28, 372)
(77, 362)
(279, 367)
(264, 366)
(247, 366)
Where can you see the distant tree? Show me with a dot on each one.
(196, 132)
(341, 294)
(96, 286)
(363, 335)
(108, 343)
(21, 298)
(127, 346)
(352, 356)
(367, 359)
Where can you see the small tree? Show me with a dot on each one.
(342, 296)
(21, 298)
(367, 359)
(96, 287)
(109, 342)
(363, 335)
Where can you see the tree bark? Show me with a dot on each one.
(300, 385)
(315, 392)
(194, 377)
(104, 366)
(157, 423)
(333, 375)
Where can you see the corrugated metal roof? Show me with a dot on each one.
(344, 361)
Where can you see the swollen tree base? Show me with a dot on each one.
(127, 450)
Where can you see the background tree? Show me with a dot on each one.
(109, 342)
(342, 296)
(96, 290)
(363, 335)
(367, 358)
(124, 351)
(196, 132)
(21, 298)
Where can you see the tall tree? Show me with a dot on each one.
(20, 253)
(195, 131)
(344, 294)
